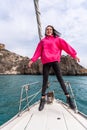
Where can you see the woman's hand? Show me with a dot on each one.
(30, 63)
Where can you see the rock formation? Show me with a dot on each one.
(2, 46)
(12, 63)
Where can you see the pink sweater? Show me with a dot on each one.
(50, 48)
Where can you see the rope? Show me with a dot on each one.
(65, 121)
(76, 118)
(28, 122)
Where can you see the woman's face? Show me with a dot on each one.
(49, 31)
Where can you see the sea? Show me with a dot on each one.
(11, 85)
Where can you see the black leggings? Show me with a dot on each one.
(56, 68)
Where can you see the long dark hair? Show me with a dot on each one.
(55, 32)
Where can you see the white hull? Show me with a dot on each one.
(55, 116)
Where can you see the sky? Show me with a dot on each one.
(18, 25)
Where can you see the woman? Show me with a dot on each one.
(49, 49)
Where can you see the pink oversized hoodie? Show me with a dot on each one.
(50, 48)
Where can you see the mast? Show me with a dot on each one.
(36, 4)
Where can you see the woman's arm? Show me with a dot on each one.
(36, 55)
(68, 49)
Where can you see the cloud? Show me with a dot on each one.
(18, 25)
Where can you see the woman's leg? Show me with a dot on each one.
(56, 68)
(58, 73)
(46, 68)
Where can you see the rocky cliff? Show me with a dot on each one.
(11, 63)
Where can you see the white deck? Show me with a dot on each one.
(55, 116)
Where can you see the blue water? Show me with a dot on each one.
(10, 88)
